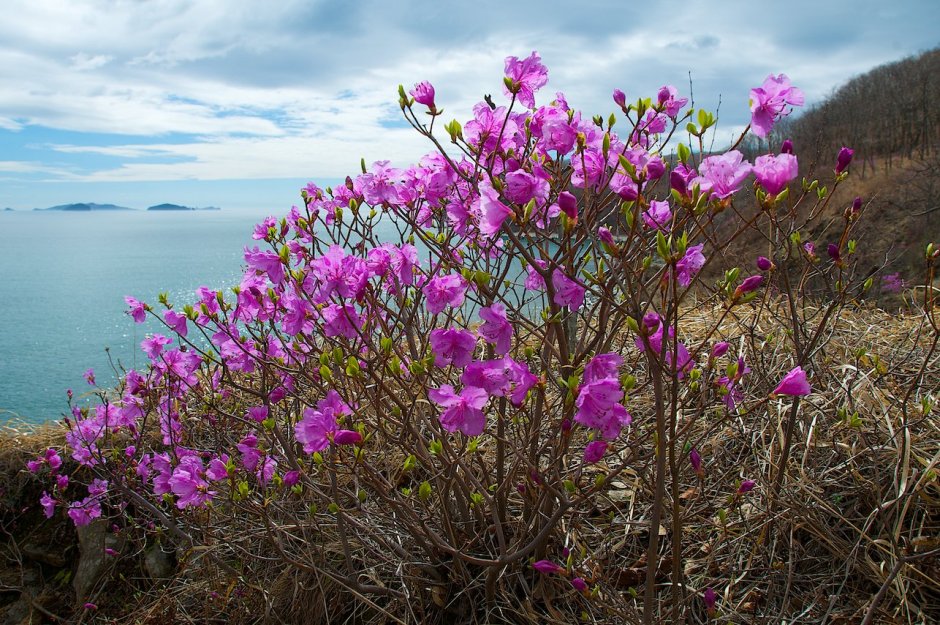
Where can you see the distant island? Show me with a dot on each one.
(178, 207)
(7, 209)
(85, 207)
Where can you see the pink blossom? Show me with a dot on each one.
(496, 328)
(719, 350)
(521, 186)
(490, 211)
(843, 159)
(452, 347)
(620, 98)
(658, 215)
(667, 98)
(690, 264)
(176, 321)
(794, 384)
(547, 567)
(764, 263)
(579, 584)
(594, 451)
(527, 76)
(568, 204)
(138, 309)
(341, 321)
(48, 504)
(423, 93)
(462, 412)
(774, 173)
(567, 291)
(770, 100)
(313, 431)
(723, 175)
(598, 407)
(443, 291)
(695, 459)
(257, 413)
(347, 437)
(492, 376)
(266, 262)
(534, 280)
(751, 283)
(153, 345)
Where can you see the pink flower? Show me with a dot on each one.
(257, 413)
(567, 291)
(710, 600)
(764, 263)
(695, 459)
(526, 77)
(443, 291)
(153, 345)
(843, 159)
(521, 186)
(491, 212)
(452, 347)
(266, 262)
(138, 309)
(690, 264)
(48, 504)
(462, 412)
(620, 98)
(188, 483)
(719, 350)
(794, 384)
(490, 375)
(746, 487)
(423, 93)
(176, 321)
(313, 431)
(341, 321)
(667, 98)
(547, 567)
(658, 215)
(723, 175)
(579, 584)
(751, 283)
(534, 280)
(496, 328)
(594, 451)
(605, 236)
(347, 437)
(89, 376)
(774, 173)
(568, 204)
(770, 100)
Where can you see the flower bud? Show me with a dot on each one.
(568, 204)
(856, 205)
(719, 350)
(746, 487)
(605, 236)
(620, 98)
(764, 263)
(833, 250)
(843, 159)
(347, 437)
(548, 567)
(751, 283)
(695, 458)
(786, 147)
(423, 93)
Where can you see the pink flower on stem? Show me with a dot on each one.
(547, 567)
(594, 451)
(579, 584)
(48, 504)
(443, 291)
(496, 328)
(667, 98)
(138, 309)
(764, 263)
(690, 264)
(567, 291)
(462, 412)
(620, 98)
(751, 283)
(525, 76)
(843, 159)
(89, 376)
(347, 437)
(658, 216)
(774, 173)
(313, 431)
(452, 347)
(695, 459)
(176, 321)
(568, 204)
(770, 100)
(423, 93)
(794, 384)
(723, 175)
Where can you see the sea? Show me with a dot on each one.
(63, 278)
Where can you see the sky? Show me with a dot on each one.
(238, 103)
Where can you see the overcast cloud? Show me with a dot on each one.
(197, 98)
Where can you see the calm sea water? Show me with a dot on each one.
(63, 278)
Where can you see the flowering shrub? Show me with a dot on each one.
(424, 379)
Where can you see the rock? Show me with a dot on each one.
(158, 563)
(92, 559)
(37, 553)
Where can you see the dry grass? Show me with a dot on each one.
(854, 528)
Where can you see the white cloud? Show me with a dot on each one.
(248, 89)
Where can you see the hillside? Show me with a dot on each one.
(890, 116)
(85, 207)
